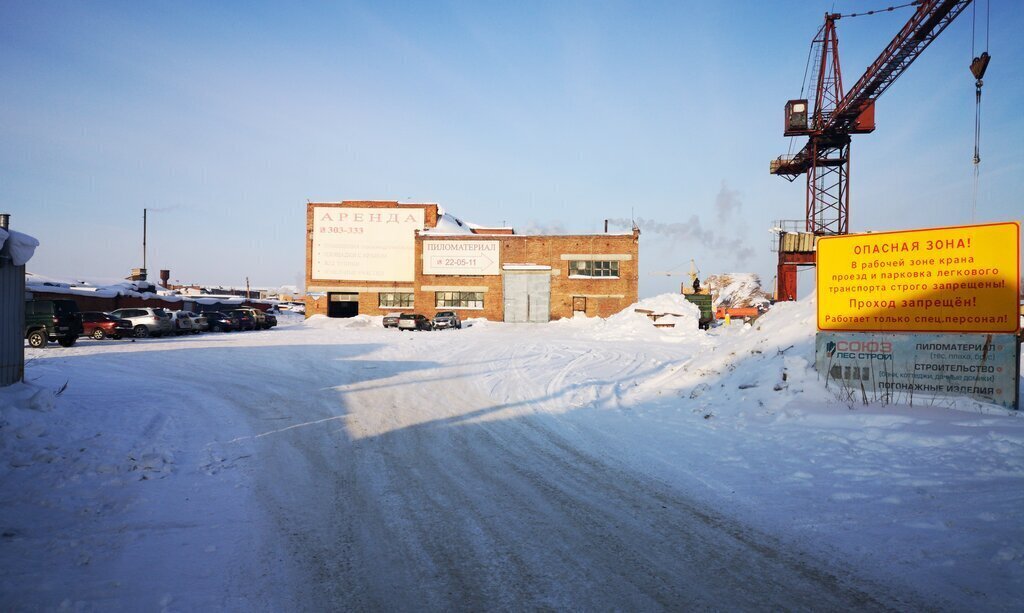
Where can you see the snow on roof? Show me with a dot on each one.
(20, 246)
(448, 224)
(106, 288)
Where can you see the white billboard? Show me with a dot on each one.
(460, 257)
(364, 244)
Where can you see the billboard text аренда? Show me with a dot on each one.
(364, 244)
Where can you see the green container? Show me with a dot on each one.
(703, 302)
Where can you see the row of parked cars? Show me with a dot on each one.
(415, 321)
(61, 321)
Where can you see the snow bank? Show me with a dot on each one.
(324, 322)
(629, 324)
(21, 246)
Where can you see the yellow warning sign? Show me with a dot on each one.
(958, 279)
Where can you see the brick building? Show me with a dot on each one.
(373, 257)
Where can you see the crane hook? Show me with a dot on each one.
(978, 67)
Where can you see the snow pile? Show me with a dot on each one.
(668, 303)
(324, 322)
(737, 289)
(633, 322)
(20, 246)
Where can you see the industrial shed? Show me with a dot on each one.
(378, 257)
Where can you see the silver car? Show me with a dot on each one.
(182, 322)
(199, 323)
(447, 319)
(147, 321)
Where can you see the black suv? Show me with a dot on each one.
(52, 320)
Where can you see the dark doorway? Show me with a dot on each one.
(579, 304)
(342, 305)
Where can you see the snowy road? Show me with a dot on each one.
(317, 467)
(434, 495)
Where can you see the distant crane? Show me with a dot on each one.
(693, 274)
(837, 115)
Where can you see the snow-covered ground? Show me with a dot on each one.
(587, 464)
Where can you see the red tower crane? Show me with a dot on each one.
(837, 115)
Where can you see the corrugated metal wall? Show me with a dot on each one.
(800, 242)
(527, 296)
(12, 321)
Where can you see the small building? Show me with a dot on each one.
(16, 249)
(378, 257)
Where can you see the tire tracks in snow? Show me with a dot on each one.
(442, 494)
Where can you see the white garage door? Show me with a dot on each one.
(527, 296)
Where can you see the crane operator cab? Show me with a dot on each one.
(796, 118)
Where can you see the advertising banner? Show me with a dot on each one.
(460, 257)
(959, 279)
(900, 367)
(364, 244)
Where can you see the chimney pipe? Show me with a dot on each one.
(5, 220)
(606, 226)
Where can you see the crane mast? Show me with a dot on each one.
(825, 158)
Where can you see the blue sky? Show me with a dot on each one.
(224, 118)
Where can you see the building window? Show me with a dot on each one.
(395, 299)
(593, 268)
(460, 300)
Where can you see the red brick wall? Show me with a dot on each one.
(602, 294)
(544, 251)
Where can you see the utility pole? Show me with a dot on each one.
(247, 288)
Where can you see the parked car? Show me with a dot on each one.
(259, 317)
(413, 321)
(147, 321)
(52, 320)
(243, 319)
(271, 320)
(391, 320)
(182, 322)
(104, 325)
(199, 322)
(447, 319)
(220, 322)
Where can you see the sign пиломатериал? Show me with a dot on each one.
(461, 257)
(901, 366)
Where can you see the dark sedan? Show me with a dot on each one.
(220, 322)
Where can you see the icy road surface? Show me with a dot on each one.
(323, 467)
